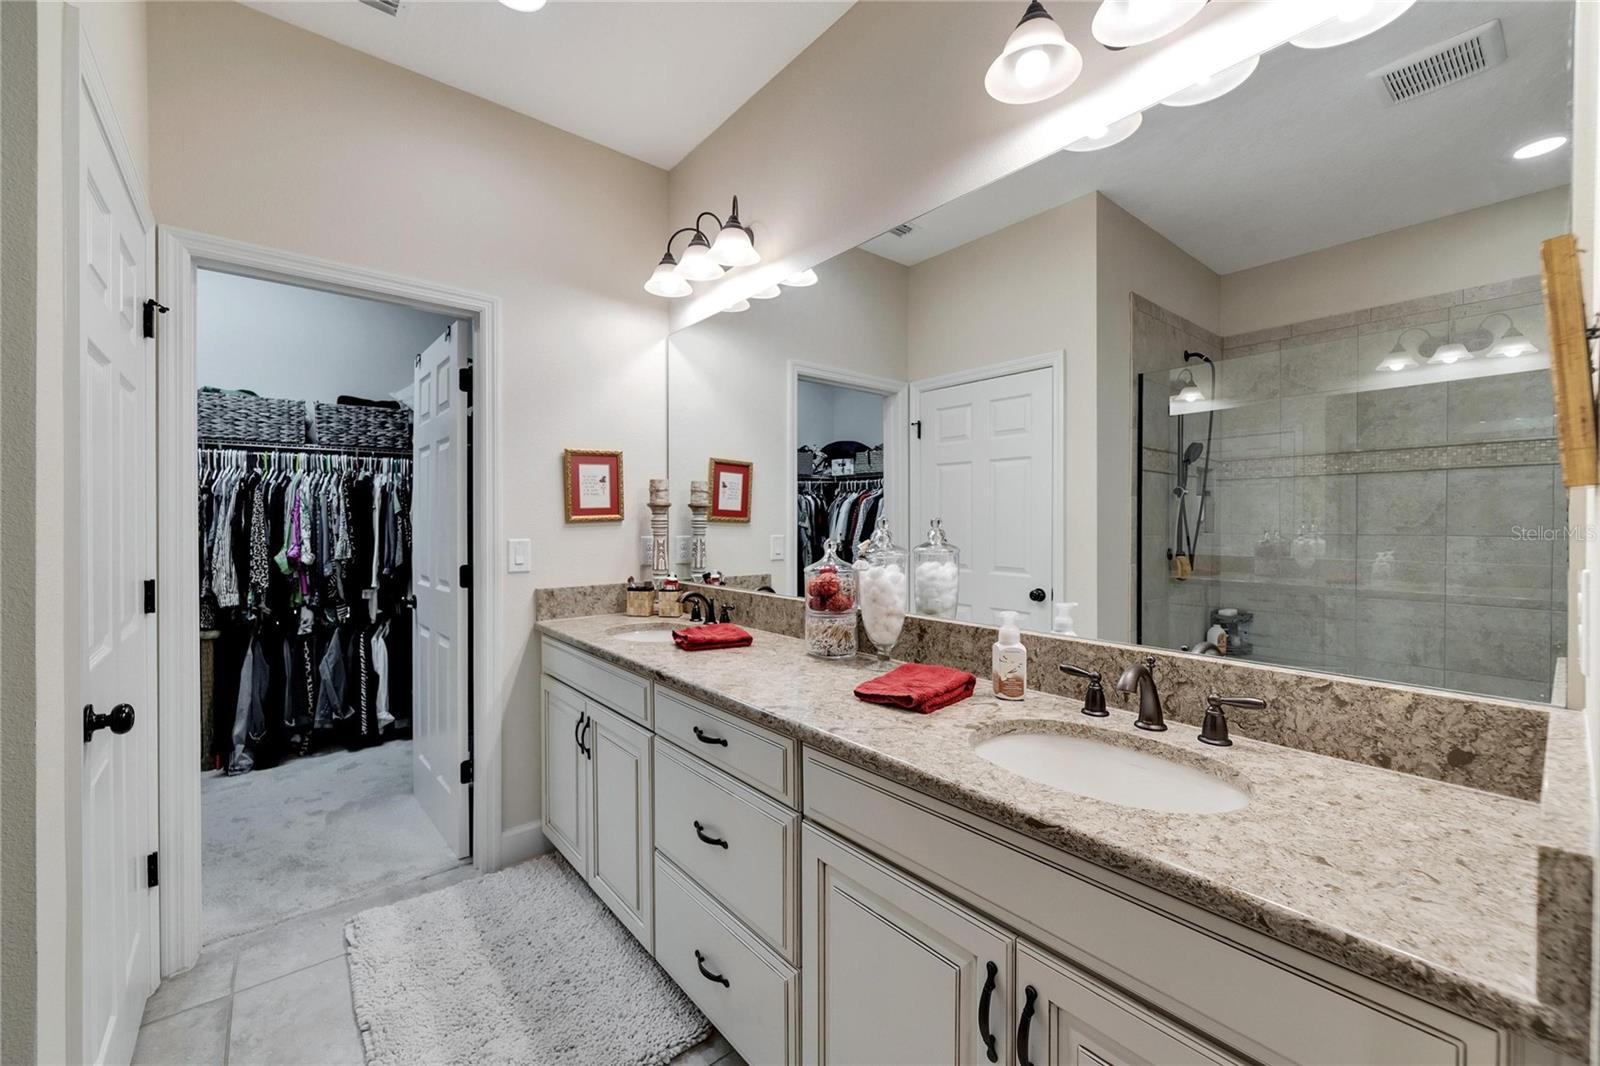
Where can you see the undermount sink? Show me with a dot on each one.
(1112, 772)
(645, 633)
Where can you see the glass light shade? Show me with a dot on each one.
(1191, 394)
(697, 263)
(803, 280)
(771, 292)
(1036, 63)
(666, 282)
(742, 305)
(1398, 359)
(1209, 88)
(733, 247)
(1452, 352)
(1116, 133)
(1125, 23)
(1535, 149)
(1511, 344)
(523, 5)
(1354, 20)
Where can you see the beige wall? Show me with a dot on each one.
(1458, 251)
(265, 133)
(117, 34)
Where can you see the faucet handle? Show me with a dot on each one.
(1214, 728)
(1094, 698)
(727, 613)
(1214, 700)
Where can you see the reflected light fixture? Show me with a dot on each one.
(1352, 20)
(1212, 86)
(1400, 357)
(771, 292)
(1535, 149)
(742, 305)
(698, 264)
(523, 5)
(1511, 343)
(1190, 392)
(803, 280)
(735, 245)
(1125, 23)
(1036, 63)
(1448, 353)
(1106, 136)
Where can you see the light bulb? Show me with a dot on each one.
(1397, 363)
(1214, 85)
(664, 281)
(1036, 63)
(804, 279)
(1450, 353)
(1106, 136)
(1535, 149)
(1125, 23)
(1032, 67)
(1352, 20)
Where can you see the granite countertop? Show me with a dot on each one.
(1425, 886)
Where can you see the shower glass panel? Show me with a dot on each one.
(1377, 496)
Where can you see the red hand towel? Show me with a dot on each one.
(918, 687)
(708, 638)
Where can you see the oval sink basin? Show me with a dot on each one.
(1113, 773)
(645, 633)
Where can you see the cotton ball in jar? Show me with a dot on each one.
(936, 587)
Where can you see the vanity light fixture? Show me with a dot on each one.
(771, 292)
(1125, 23)
(698, 264)
(734, 246)
(1352, 20)
(1214, 85)
(742, 305)
(1535, 149)
(1448, 353)
(1512, 343)
(1400, 357)
(667, 279)
(1106, 136)
(803, 280)
(1036, 63)
(523, 5)
(1190, 392)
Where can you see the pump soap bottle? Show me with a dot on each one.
(1010, 662)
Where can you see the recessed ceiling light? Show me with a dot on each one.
(523, 5)
(1215, 85)
(1534, 149)
(1106, 136)
(1352, 20)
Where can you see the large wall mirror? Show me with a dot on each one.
(1266, 370)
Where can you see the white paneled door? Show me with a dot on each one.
(117, 493)
(986, 465)
(439, 543)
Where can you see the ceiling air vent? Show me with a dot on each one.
(903, 229)
(388, 7)
(1446, 63)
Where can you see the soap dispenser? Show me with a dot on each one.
(1010, 662)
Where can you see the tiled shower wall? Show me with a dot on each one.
(1422, 497)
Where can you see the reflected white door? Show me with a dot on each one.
(439, 541)
(116, 438)
(986, 466)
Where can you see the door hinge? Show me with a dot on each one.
(917, 425)
(464, 576)
(464, 380)
(466, 771)
(151, 310)
(152, 869)
(149, 595)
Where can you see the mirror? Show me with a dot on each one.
(1354, 472)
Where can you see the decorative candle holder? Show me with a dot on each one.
(699, 507)
(660, 504)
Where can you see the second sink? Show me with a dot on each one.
(645, 632)
(1114, 773)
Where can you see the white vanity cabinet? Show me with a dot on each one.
(597, 800)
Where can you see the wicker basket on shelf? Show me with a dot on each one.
(349, 425)
(232, 416)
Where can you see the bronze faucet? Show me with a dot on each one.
(1142, 676)
(695, 599)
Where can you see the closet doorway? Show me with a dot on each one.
(319, 665)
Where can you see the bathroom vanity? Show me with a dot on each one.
(835, 882)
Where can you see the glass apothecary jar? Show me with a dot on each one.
(935, 574)
(881, 576)
(831, 606)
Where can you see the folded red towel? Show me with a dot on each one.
(708, 638)
(919, 687)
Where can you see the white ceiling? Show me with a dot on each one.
(651, 80)
(1307, 153)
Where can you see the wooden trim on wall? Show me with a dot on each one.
(1570, 372)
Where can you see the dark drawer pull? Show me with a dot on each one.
(1025, 1026)
(707, 738)
(989, 1039)
(700, 961)
(700, 831)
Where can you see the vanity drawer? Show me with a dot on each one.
(758, 1009)
(754, 755)
(740, 846)
(616, 688)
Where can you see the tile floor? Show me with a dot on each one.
(281, 997)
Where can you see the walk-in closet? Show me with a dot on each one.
(318, 721)
(840, 469)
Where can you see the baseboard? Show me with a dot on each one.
(522, 842)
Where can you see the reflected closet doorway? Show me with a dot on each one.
(351, 767)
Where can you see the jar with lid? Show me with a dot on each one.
(935, 574)
(881, 580)
(831, 606)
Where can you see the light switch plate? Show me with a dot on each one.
(681, 554)
(646, 550)
(775, 553)
(519, 555)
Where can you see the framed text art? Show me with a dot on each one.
(592, 485)
(730, 490)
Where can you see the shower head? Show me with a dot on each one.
(1192, 452)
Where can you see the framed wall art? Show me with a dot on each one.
(730, 490)
(592, 485)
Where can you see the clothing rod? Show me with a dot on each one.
(307, 449)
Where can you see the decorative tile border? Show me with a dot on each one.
(1383, 461)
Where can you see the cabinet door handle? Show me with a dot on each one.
(700, 961)
(1024, 1025)
(577, 734)
(989, 1039)
(707, 738)
(588, 749)
(700, 831)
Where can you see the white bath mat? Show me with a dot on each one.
(525, 966)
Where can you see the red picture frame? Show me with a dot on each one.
(730, 490)
(592, 485)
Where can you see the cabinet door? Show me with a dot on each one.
(566, 772)
(896, 972)
(1068, 1018)
(620, 839)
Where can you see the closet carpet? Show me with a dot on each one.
(523, 966)
(308, 834)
